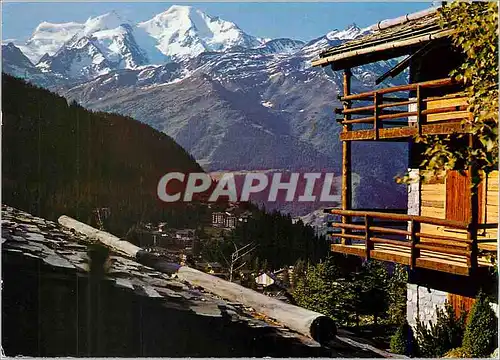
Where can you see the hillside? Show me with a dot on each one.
(60, 158)
(232, 100)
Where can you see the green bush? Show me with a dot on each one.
(480, 337)
(445, 334)
(403, 341)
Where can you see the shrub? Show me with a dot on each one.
(460, 352)
(403, 341)
(480, 337)
(445, 334)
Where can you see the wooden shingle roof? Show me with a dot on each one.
(387, 39)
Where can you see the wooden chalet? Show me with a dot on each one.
(447, 229)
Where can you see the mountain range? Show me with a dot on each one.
(232, 100)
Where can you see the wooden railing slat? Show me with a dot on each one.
(449, 251)
(417, 240)
(390, 241)
(403, 217)
(425, 84)
(390, 231)
(443, 237)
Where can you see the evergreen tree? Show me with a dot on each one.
(481, 334)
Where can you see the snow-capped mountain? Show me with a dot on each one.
(82, 51)
(48, 38)
(183, 32)
(19, 65)
(234, 101)
(101, 45)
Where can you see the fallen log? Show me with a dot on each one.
(306, 322)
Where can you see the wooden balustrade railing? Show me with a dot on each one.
(377, 226)
(381, 111)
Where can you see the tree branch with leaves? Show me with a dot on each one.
(476, 36)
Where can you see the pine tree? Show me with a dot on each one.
(481, 334)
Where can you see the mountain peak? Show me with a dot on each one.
(179, 9)
(184, 32)
(350, 32)
(352, 26)
(106, 21)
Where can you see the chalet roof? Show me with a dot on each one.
(386, 39)
(29, 238)
(53, 249)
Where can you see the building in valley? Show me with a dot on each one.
(448, 233)
(230, 218)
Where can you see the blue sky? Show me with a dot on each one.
(303, 21)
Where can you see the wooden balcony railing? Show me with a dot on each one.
(404, 231)
(387, 113)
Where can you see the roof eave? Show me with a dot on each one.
(346, 57)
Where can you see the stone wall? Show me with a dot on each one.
(423, 301)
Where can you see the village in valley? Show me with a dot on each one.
(401, 261)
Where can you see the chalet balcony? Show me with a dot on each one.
(431, 107)
(409, 240)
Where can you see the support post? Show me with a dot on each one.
(376, 112)
(415, 252)
(346, 157)
(419, 110)
(474, 216)
(368, 242)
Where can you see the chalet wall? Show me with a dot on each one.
(433, 204)
(492, 198)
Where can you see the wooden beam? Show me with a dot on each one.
(404, 63)
(441, 249)
(408, 87)
(348, 249)
(403, 217)
(401, 255)
(390, 231)
(407, 131)
(391, 256)
(400, 100)
(394, 104)
(474, 216)
(306, 322)
(368, 110)
(346, 155)
(347, 236)
(368, 243)
(442, 238)
(415, 252)
(390, 242)
(419, 110)
(348, 226)
(442, 266)
(390, 46)
(376, 114)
